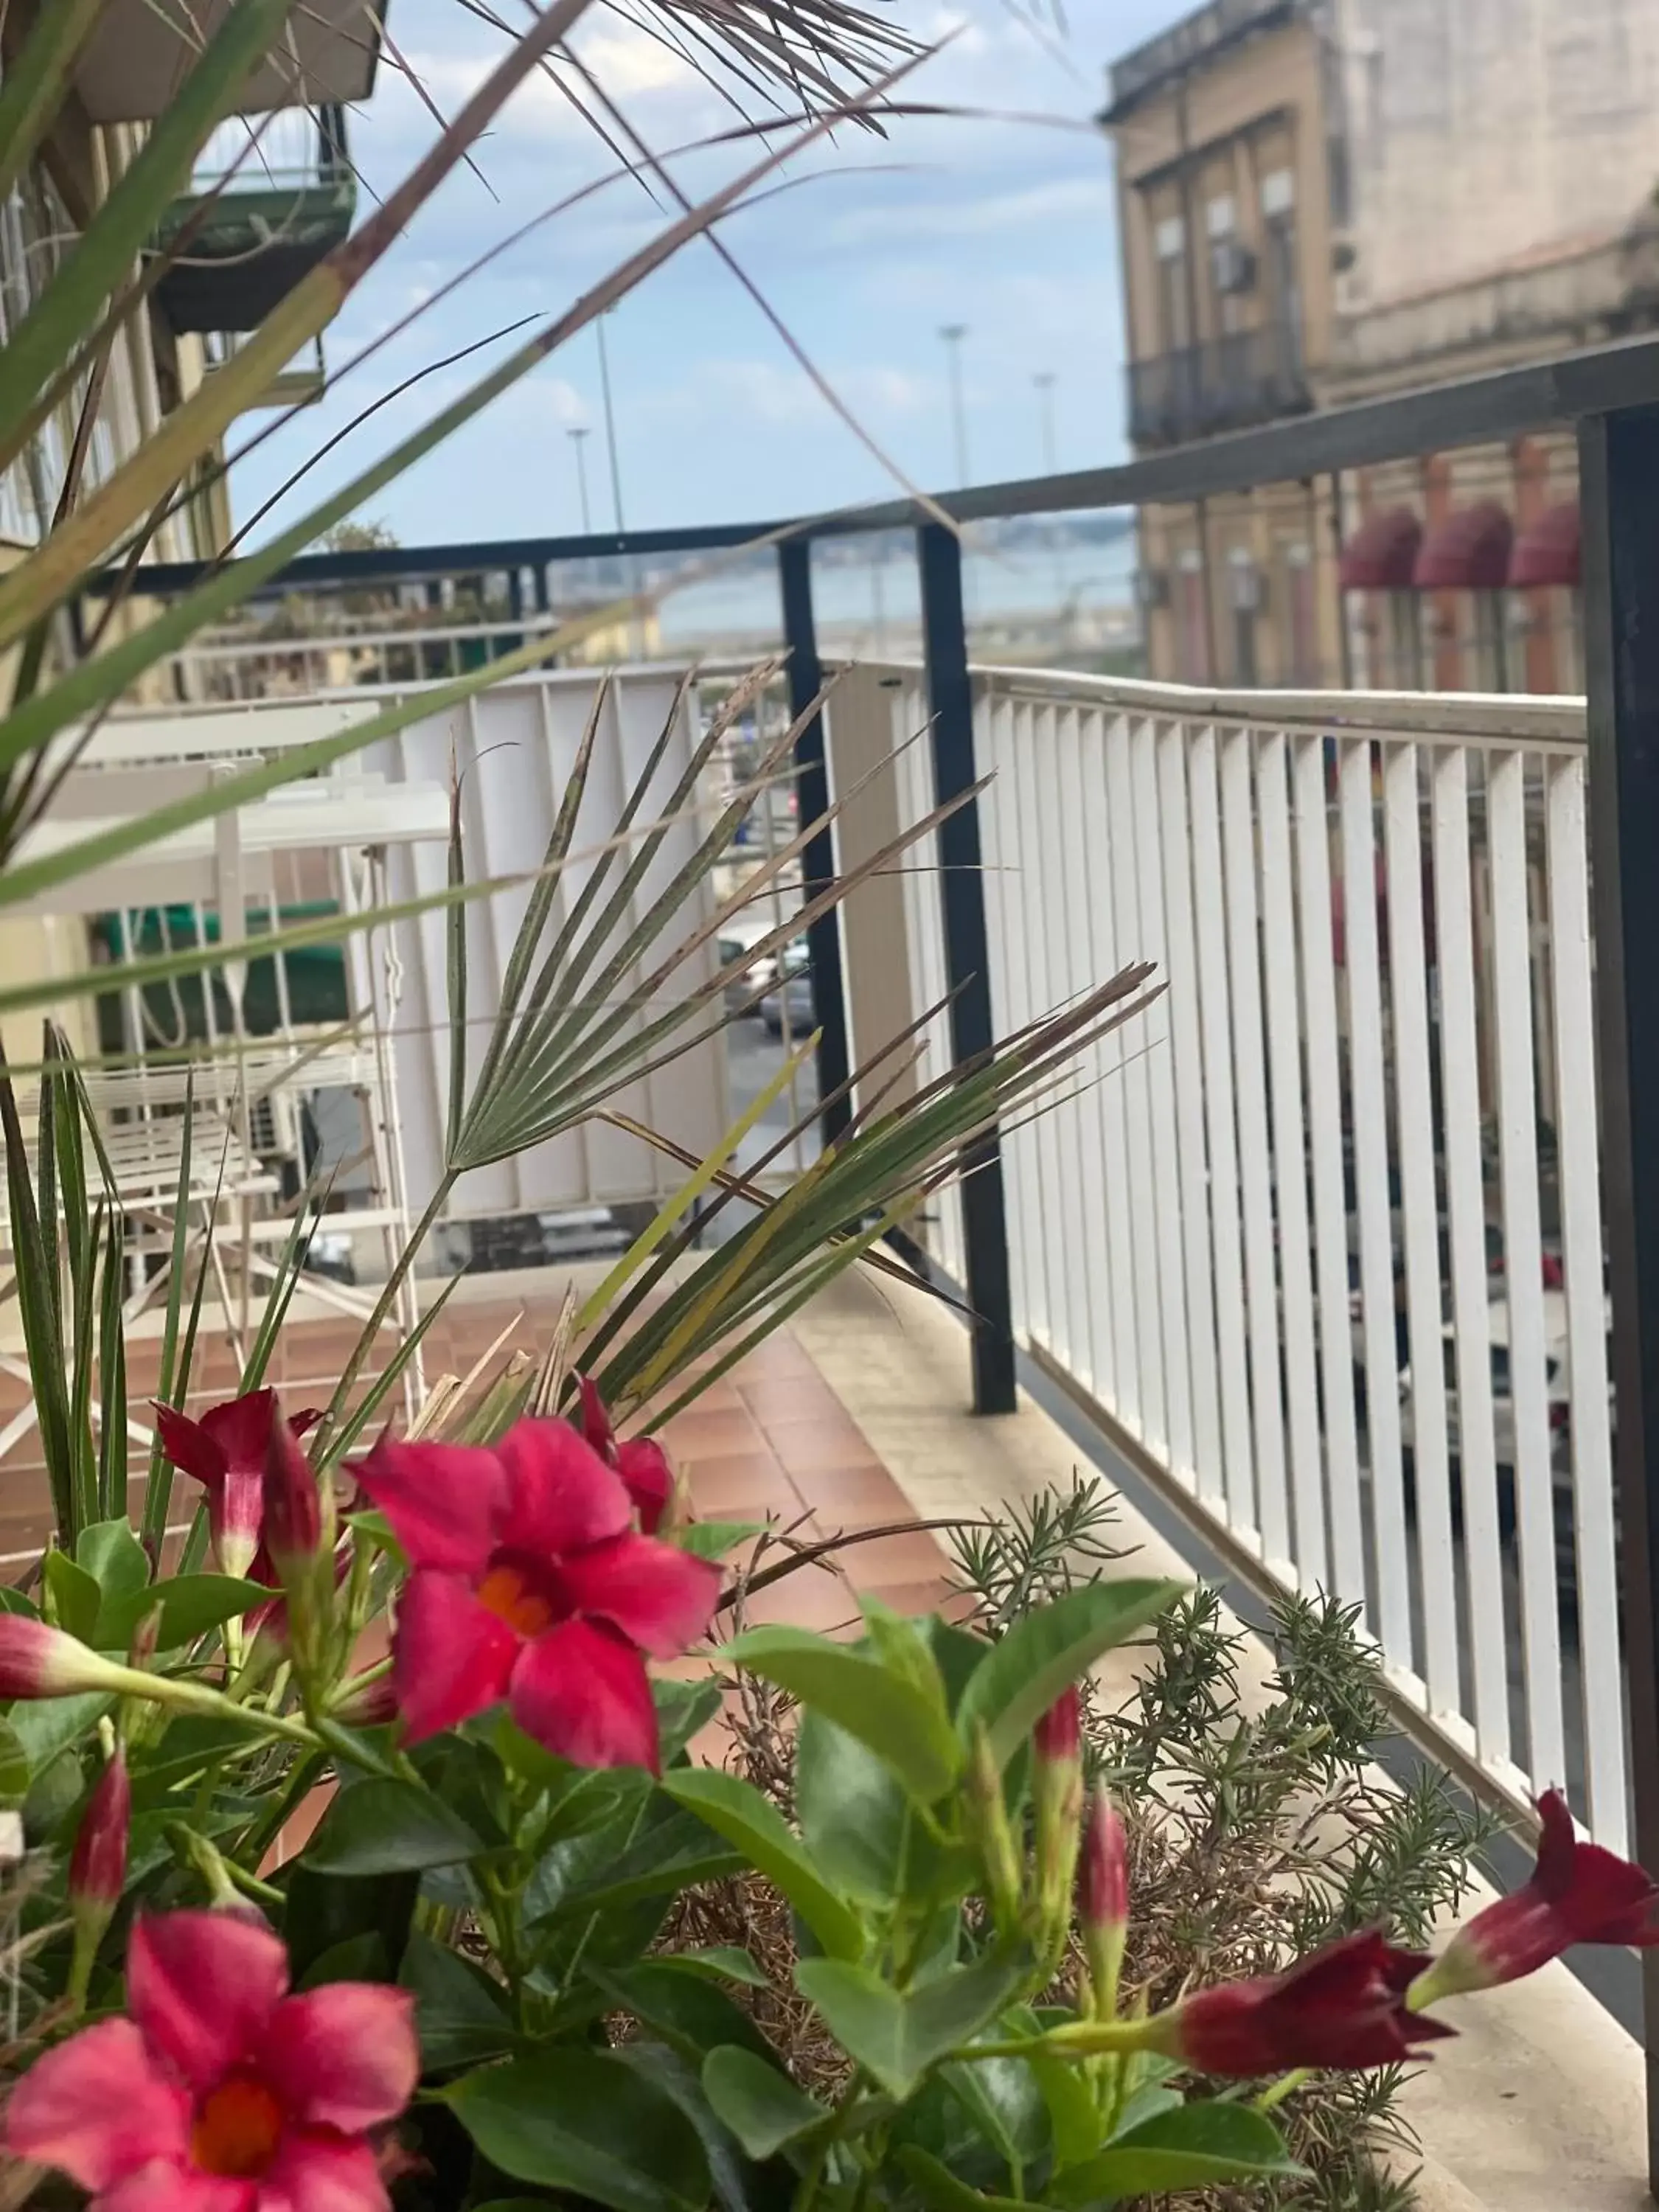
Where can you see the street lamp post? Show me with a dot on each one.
(610, 424)
(576, 434)
(1044, 381)
(953, 335)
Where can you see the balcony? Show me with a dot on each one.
(1226, 384)
(262, 216)
(1316, 1256)
(130, 67)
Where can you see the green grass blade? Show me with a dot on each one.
(39, 1310)
(290, 1268)
(46, 1178)
(113, 1376)
(32, 91)
(84, 1353)
(374, 1397)
(455, 975)
(158, 1487)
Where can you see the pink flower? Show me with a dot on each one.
(641, 1462)
(529, 1583)
(1058, 1737)
(1578, 1893)
(1341, 2006)
(221, 2092)
(39, 1661)
(225, 1452)
(98, 1862)
(1102, 1889)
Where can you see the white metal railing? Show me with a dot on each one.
(1322, 1231)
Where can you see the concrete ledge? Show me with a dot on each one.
(1540, 2106)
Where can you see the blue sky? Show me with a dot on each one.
(1006, 227)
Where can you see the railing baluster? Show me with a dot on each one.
(1108, 956)
(1402, 823)
(1069, 879)
(985, 1232)
(1005, 917)
(1371, 1144)
(1308, 1552)
(1122, 887)
(1524, 1279)
(1460, 1082)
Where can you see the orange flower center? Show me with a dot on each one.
(238, 2127)
(518, 1599)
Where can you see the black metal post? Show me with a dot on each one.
(817, 859)
(967, 956)
(1618, 467)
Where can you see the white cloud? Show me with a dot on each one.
(901, 222)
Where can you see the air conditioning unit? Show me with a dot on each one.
(1233, 266)
(1245, 586)
(1151, 589)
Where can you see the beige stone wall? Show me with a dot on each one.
(1284, 535)
(1480, 131)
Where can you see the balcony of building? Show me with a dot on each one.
(1339, 1256)
(130, 67)
(261, 212)
(1227, 383)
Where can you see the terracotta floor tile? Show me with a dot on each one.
(856, 1496)
(696, 1435)
(911, 1598)
(745, 1486)
(893, 1559)
(831, 1441)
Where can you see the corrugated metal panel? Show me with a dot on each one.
(515, 746)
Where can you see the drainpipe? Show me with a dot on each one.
(1189, 262)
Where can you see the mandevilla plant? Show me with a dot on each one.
(455, 1987)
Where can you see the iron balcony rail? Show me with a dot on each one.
(1225, 384)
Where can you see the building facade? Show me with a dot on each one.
(1324, 200)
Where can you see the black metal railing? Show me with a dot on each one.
(1608, 399)
(1225, 384)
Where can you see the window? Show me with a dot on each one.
(1301, 618)
(1244, 596)
(1404, 644)
(1192, 615)
(1491, 655)
(1174, 293)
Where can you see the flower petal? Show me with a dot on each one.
(164, 2187)
(450, 1658)
(235, 1517)
(583, 1692)
(661, 1598)
(444, 1501)
(345, 2054)
(318, 2170)
(647, 1477)
(202, 1986)
(97, 2107)
(240, 1428)
(560, 1494)
(186, 1445)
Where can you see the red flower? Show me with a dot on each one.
(98, 1862)
(1102, 1885)
(1058, 1735)
(225, 1452)
(641, 1460)
(1578, 1893)
(1343, 2006)
(529, 1583)
(221, 2092)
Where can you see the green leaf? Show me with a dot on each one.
(684, 1709)
(359, 1959)
(17, 1601)
(46, 1726)
(761, 2106)
(600, 1871)
(713, 1540)
(1020, 1677)
(1197, 2147)
(729, 2171)
(582, 2122)
(113, 1557)
(463, 2016)
(1003, 2099)
(388, 1828)
(855, 1817)
(736, 1810)
(686, 2009)
(901, 1646)
(901, 1723)
(14, 1767)
(190, 1606)
(726, 1962)
(325, 1912)
(898, 2037)
(73, 1595)
(941, 2192)
(1074, 2122)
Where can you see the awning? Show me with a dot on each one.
(1547, 551)
(1468, 552)
(1382, 554)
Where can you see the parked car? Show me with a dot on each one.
(792, 996)
(741, 983)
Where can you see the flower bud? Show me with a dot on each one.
(1057, 1803)
(592, 1420)
(367, 1704)
(98, 1866)
(37, 1661)
(1103, 1901)
(299, 1530)
(650, 1482)
(987, 1822)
